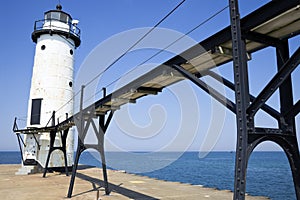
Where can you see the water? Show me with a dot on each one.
(10, 157)
(268, 172)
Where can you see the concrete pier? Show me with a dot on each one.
(88, 186)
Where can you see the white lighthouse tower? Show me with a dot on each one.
(56, 37)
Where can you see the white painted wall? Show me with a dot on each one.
(52, 73)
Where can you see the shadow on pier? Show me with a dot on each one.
(98, 184)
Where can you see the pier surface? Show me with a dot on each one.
(88, 186)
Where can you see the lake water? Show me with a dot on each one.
(268, 172)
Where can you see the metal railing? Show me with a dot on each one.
(53, 24)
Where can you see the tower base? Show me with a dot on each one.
(33, 169)
(29, 169)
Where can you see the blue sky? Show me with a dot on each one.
(100, 20)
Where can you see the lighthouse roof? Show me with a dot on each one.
(58, 14)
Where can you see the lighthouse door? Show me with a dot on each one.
(35, 111)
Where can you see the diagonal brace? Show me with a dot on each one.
(274, 84)
(104, 128)
(208, 89)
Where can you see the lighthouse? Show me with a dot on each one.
(56, 37)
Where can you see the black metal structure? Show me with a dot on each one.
(242, 99)
(248, 136)
(85, 120)
(272, 25)
(52, 147)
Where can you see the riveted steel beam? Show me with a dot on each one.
(208, 89)
(242, 100)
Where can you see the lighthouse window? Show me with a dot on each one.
(70, 84)
(71, 51)
(43, 47)
(35, 111)
(55, 15)
(63, 17)
(48, 16)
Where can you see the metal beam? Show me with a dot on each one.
(102, 130)
(293, 111)
(267, 131)
(148, 90)
(261, 38)
(242, 100)
(285, 89)
(208, 89)
(108, 120)
(275, 82)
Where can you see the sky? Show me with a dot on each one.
(153, 123)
